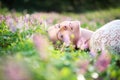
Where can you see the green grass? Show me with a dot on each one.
(44, 62)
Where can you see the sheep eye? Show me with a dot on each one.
(71, 28)
(65, 27)
(59, 26)
(61, 36)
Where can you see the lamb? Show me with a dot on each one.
(70, 32)
(106, 38)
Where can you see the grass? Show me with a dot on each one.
(29, 51)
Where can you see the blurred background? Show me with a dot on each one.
(59, 5)
(26, 53)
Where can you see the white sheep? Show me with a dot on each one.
(106, 37)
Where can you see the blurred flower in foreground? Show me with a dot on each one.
(82, 66)
(92, 53)
(95, 75)
(81, 77)
(103, 61)
(13, 70)
(42, 46)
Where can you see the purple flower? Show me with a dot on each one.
(42, 45)
(103, 61)
(11, 23)
(82, 66)
(14, 70)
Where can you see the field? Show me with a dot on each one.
(26, 53)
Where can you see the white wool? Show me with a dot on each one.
(107, 37)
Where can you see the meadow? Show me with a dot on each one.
(26, 53)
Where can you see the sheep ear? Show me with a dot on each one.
(57, 26)
(74, 25)
(71, 26)
(78, 27)
(77, 23)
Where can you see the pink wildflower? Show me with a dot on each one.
(41, 44)
(14, 70)
(103, 61)
(82, 66)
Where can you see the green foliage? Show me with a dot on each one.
(6, 36)
(11, 42)
(60, 65)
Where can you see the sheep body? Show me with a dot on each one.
(107, 37)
